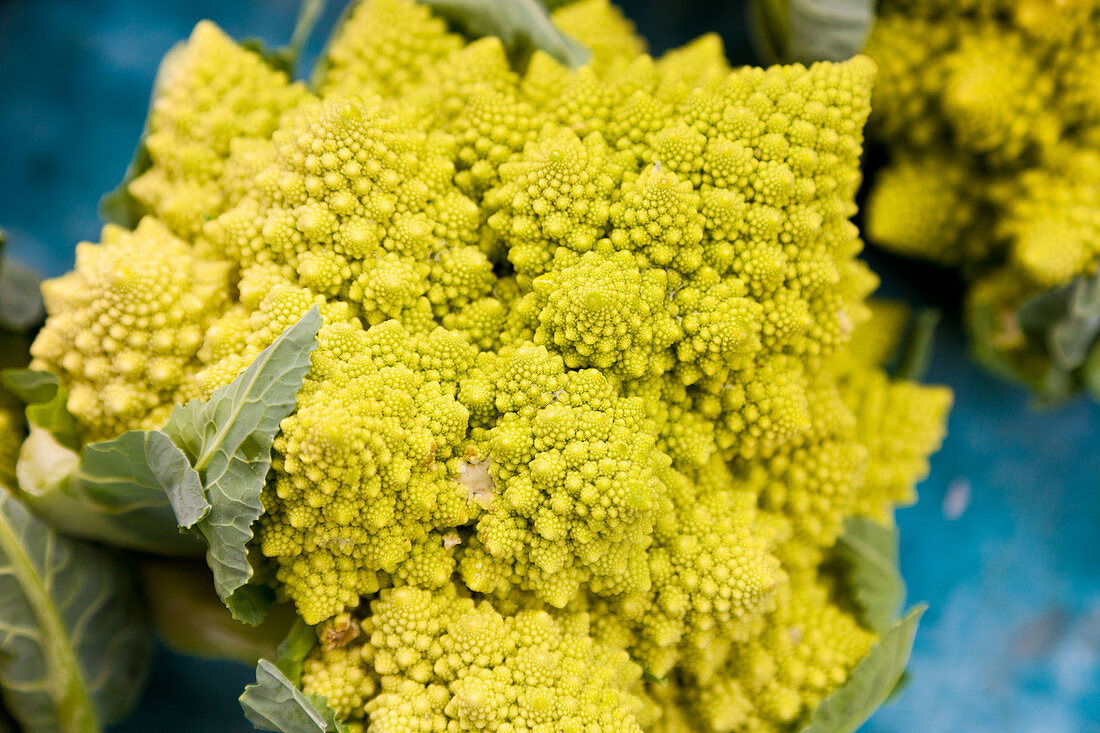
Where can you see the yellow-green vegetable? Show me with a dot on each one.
(586, 414)
(990, 111)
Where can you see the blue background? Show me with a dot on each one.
(1004, 543)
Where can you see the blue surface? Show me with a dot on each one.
(1004, 544)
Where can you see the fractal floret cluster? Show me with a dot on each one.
(991, 112)
(597, 384)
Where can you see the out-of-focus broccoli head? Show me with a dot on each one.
(989, 111)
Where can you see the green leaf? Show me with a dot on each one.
(205, 470)
(914, 353)
(144, 464)
(806, 31)
(118, 206)
(1046, 343)
(74, 646)
(189, 617)
(769, 29)
(228, 441)
(1000, 355)
(119, 492)
(275, 703)
(46, 399)
(901, 686)
(871, 681)
(870, 552)
(1067, 319)
(21, 306)
(294, 649)
(250, 603)
(523, 26)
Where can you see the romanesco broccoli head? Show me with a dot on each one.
(585, 400)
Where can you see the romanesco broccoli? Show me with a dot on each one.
(585, 402)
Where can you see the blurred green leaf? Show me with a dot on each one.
(806, 31)
(285, 58)
(914, 352)
(21, 307)
(190, 618)
(46, 399)
(1067, 319)
(871, 681)
(227, 440)
(75, 649)
(294, 649)
(118, 206)
(274, 703)
(1047, 343)
(869, 551)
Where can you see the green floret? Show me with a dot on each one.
(211, 95)
(572, 466)
(451, 663)
(926, 206)
(129, 323)
(384, 46)
(992, 87)
(586, 315)
(713, 574)
(366, 468)
(602, 28)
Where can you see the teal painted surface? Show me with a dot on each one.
(1004, 544)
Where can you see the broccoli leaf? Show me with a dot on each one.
(125, 492)
(811, 30)
(523, 26)
(46, 399)
(204, 471)
(870, 552)
(144, 464)
(274, 703)
(871, 682)
(1062, 324)
(992, 348)
(228, 442)
(74, 646)
(20, 298)
(250, 603)
(1066, 319)
(21, 306)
